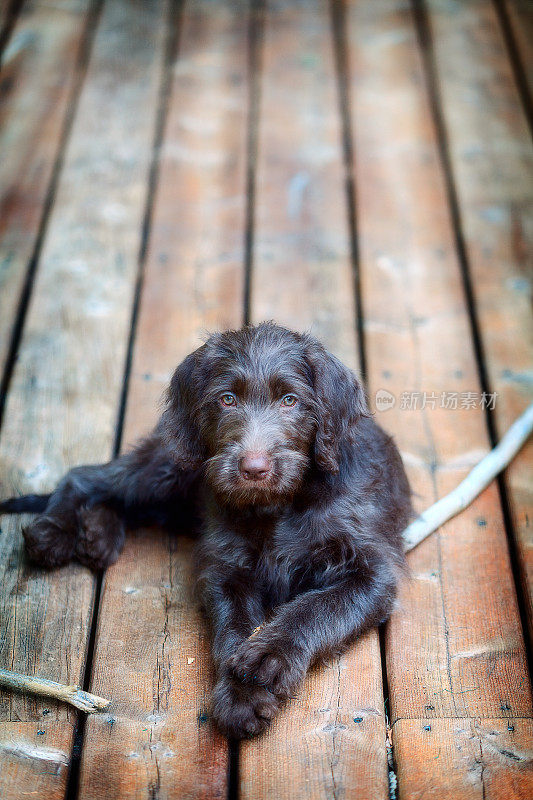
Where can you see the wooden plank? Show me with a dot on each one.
(62, 406)
(329, 741)
(494, 755)
(34, 760)
(36, 86)
(454, 647)
(4, 11)
(520, 15)
(7, 13)
(152, 656)
(492, 162)
(153, 659)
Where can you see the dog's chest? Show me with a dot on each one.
(284, 567)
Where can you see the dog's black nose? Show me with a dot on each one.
(255, 466)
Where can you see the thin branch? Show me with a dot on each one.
(68, 694)
(480, 477)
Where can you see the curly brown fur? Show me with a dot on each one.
(267, 445)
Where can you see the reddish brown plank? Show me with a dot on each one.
(492, 162)
(34, 759)
(64, 396)
(454, 647)
(158, 738)
(408, 254)
(487, 759)
(329, 741)
(37, 81)
(153, 660)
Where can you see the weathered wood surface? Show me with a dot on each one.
(449, 653)
(63, 400)
(34, 759)
(520, 15)
(481, 759)
(4, 12)
(460, 702)
(330, 740)
(152, 654)
(7, 15)
(492, 161)
(37, 81)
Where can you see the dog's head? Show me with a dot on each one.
(256, 407)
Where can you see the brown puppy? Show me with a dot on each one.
(300, 500)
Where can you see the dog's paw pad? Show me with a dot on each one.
(265, 663)
(241, 711)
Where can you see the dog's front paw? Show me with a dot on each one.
(242, 710)
(275, 665)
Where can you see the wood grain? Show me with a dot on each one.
(8, 9)
(152, 655)
(34, 758)
(454, 646)
(63, 401)
(478, 759)
(329, 741)
(492, 162)
(459, 694)
(4, 12)
(520, 13)
(38, 77)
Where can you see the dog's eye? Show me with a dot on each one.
(289, 400)
(228, 399)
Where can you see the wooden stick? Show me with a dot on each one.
(69, 694)
(480, 477)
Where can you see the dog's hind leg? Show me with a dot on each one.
(101, 534)
(92, 534)
(84, 516)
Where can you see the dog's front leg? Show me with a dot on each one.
(235, 609)
(313, 624)
(233, 605)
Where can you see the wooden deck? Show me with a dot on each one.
(363, 169)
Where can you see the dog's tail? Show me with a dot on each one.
(28, 503)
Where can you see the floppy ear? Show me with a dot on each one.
(177, 426)
(341, 402)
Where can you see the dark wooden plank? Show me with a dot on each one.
(492, 163)
(520, 16)
(330, 740)
(158, 739)
(454, 646)
(65, 391)
(4, 11)
(8, 11)
(36, 85)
